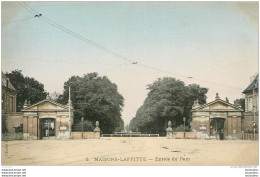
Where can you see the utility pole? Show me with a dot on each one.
(82, 119)
(184, 127)
(48, 123)
(69, 115)
(254, 108)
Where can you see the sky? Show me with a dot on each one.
(215, 43)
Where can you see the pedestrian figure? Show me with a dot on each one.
(221, 134)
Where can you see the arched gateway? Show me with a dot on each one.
(47, 119)
(210, 119)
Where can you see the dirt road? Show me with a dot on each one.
(130, 151)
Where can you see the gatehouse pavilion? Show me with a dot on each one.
(47, 119)
(219, 115)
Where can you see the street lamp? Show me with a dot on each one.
(82, 119)
(254, 127)
(184, 126)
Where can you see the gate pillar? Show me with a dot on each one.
(169, 131)
(97, 130)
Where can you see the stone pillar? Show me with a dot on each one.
(169, 131)
(97, 130)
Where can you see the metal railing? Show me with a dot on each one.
(249, 136)
(127, 133)
(130, 135)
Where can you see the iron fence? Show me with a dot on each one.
(249, 136)
(130, 135)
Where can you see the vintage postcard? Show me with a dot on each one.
(129, 83)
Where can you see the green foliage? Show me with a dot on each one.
(12, 136)
(240, 102)
(127, 128)
(27, 88)
(181, 129)
(168, 100)
(87, 126)
(120, 126)
(96, 99)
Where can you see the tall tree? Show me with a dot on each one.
(27, 88)
(168, 100)
(240, 102)
(96, 99)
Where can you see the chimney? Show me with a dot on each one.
(7, 82)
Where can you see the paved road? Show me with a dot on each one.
(130, 151)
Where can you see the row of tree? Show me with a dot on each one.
(168, 100)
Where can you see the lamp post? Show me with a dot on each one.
(82, 119)
(184, 126)
(254, 127)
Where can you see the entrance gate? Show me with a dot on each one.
(217, 125)
(47, 127)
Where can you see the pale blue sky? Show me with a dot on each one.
(215, 42)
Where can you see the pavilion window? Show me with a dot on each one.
(250, 104)
(3, 102)
(11, 104)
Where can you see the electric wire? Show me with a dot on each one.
(50, 22)
(59, 61)
(54, 24)
(17, 20)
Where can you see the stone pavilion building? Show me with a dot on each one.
(251, 106)
(219, 115)
(47, 119)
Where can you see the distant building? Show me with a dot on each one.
(11, 120)
(251, 105)
(8, 96)
(47, 119)
(219, 115)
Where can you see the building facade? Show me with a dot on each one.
(210, 119)
(47, 119)
(251, 106)
(11, 120)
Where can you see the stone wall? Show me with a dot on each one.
(86, 135)
(233, 127)
(13, 120)
(247, 121)
(201, 123)
(188, 135)
(8, 105)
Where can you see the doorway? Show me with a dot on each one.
(48, 127)
(217, 126)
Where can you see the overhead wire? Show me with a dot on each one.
(54, 24)
(223, 66)
(59, 61)
(17, 20)
(50, 22)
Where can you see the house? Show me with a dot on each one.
(251, 106)
(219, 115)
(11, 120)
